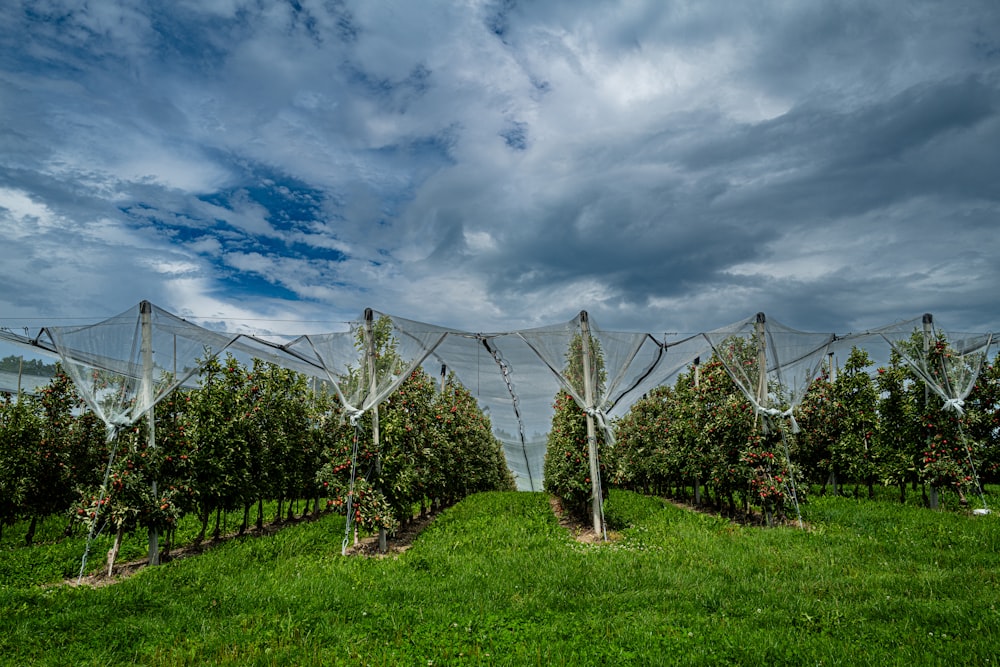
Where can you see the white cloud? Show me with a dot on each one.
(646, 161)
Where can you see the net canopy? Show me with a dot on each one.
(772, 364)
(123, 365)
(947, 362)
(371, 360)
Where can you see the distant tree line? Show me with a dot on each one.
(16, 364)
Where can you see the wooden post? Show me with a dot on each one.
(588, 397)
(146, 313)
(444, 376)
(761, 361)
(373, 389)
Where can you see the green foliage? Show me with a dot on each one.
(47, 450)
(869, 429)
(470, 459)
(433, 446)
(566, 469)
(567, 464)
(705, 433)
(497, 581)
(839, 421)
(982, 421)
(20, 435)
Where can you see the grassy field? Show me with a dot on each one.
(496, 580)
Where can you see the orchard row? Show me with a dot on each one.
(867, 426)
(245, 435)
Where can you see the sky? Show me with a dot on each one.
(668, 166)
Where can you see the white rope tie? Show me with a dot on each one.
(353, 415)
(955, 405)
(778, 414)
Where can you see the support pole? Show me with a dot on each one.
(588, 397)
(697, 383)
(761, 331)
(146, 314)
(373, 390)
(928, 322)
(761, 393)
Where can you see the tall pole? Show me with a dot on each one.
(928, 322)
(588, 397)
(373, 390)
(146, 314)
(697, 383)
(761, 330)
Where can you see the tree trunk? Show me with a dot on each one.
(29, 537)
(113, 552)
(203, 516)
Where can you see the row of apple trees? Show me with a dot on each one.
(866, 426)
(862, 425)
(244, 436)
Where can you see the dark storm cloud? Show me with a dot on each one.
(494, 164)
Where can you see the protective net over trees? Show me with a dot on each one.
(124, 365)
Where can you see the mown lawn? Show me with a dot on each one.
(496, 580)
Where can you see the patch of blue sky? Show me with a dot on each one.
(291, 205)
(295, 211)
(515, 135)
(241, 284)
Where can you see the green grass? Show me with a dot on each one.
(495, 580)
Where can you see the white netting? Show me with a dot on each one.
(948, 362)
(124, 365)
(771, 364)
(512, 387)
(368, 362)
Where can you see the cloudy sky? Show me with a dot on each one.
(490, 165)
